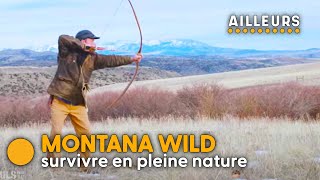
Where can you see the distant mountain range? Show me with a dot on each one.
(27, 57)
(185, 47)
(185, 57)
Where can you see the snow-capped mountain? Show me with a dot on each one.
(52, 48)
(178, 47)
(185, 47)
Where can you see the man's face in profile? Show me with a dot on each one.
(89, 42)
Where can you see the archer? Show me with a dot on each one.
(68, 89)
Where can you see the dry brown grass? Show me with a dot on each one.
(275, 148)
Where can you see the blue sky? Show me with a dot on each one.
(26, 23)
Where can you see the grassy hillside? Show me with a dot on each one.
(196, 65)
(307, 74)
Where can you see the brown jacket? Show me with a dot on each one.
(69, 83)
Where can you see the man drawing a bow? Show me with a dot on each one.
(76, 62)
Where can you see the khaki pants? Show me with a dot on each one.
(79, 119)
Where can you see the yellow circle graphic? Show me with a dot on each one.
(238, 30)
(267, 30)
(275, 30)
(289, 30)
(297, 30)
(230, 30)
(20, 151)
(260, 30)
(282, 30)
(252, 30)
(245, 30)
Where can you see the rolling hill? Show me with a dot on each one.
(33, 81)
(307, 74)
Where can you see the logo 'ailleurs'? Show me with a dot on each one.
(283, 24)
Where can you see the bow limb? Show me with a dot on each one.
(138, 24)
(137, 63)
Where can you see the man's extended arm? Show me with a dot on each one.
(103, 61)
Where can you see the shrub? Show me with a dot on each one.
(288, 100)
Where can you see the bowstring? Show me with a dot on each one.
(107, 26)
